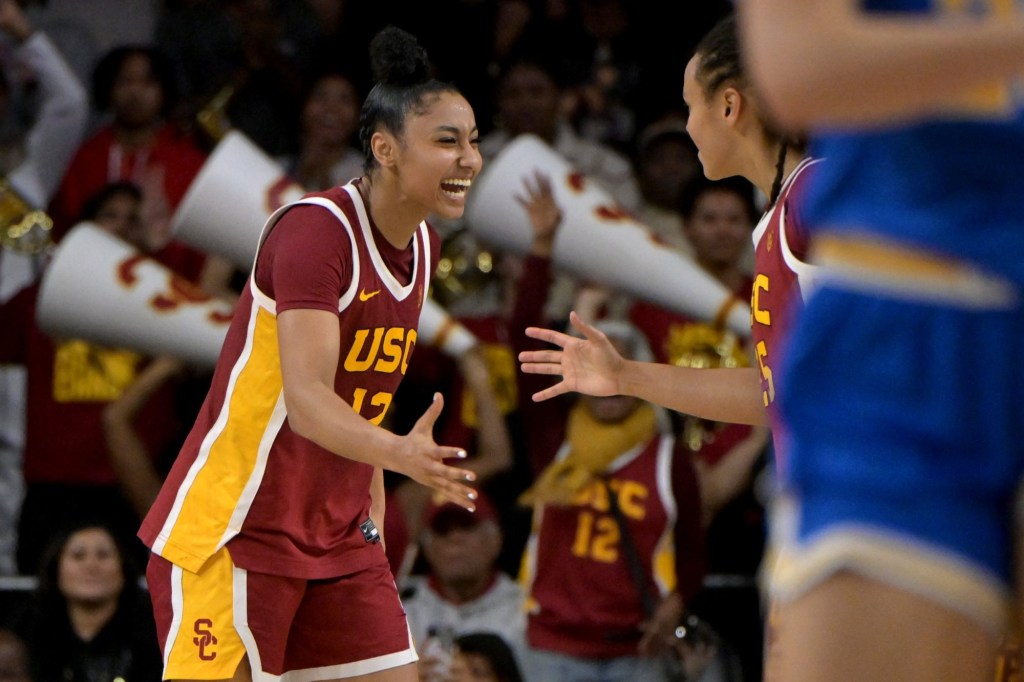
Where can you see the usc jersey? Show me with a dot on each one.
(287, 506)
(782, 279)
(581, 598)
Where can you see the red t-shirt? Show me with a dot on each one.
(101, 160)
(70, 383)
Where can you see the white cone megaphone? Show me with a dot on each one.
(597, 240)
(101, 289)
(229, 201)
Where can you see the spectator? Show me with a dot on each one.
(729, 458)
(483, 657)
(14, 661)
(666, 163)
(328, 123)
(88, 620)
(717, 220)
(463, 591)
(134, 87)
(528, 100)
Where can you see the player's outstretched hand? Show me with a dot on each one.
(588, 365)
(422, 460)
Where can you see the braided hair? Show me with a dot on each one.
(404, 85)
(720, 63)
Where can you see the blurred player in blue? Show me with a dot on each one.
(905, 426)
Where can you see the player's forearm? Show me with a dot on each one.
(823, 62)
(317, 413)
(724, 395)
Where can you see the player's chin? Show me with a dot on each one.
(450, 207)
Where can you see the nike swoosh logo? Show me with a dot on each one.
(363, 296)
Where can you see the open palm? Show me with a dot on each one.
(589, 365)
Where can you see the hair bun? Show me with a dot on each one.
(397, 58)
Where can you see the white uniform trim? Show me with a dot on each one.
(397, 290)
(805, 272)
(211, 437)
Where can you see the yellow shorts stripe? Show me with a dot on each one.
(203, 643)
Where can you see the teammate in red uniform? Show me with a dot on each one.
(266, 557)
(733, 138)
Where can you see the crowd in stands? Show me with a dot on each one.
(613, 540)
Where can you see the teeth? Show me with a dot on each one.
(458, 182)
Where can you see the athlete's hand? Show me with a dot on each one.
(422, 460)
(589, 365)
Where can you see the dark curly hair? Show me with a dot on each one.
(720, 62)
(110, 65)
(404, 85)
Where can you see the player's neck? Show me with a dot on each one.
(392, 217)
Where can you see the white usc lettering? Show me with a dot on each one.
(389, 350)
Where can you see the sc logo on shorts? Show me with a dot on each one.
(203, 628)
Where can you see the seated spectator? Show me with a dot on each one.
(14, 662)
(463, 590)
(483, 657)
(89, 621)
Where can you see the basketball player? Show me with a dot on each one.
(266, 557)
(733, 137)
(901, 389)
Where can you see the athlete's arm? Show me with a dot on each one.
(591, 365)
(309, 342)
(828, 62)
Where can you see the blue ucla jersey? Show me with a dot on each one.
(954, 182)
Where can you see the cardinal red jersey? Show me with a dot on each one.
(582, 600)
(781, 281)
(287, 506)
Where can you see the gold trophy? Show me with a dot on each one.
(23, 229)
